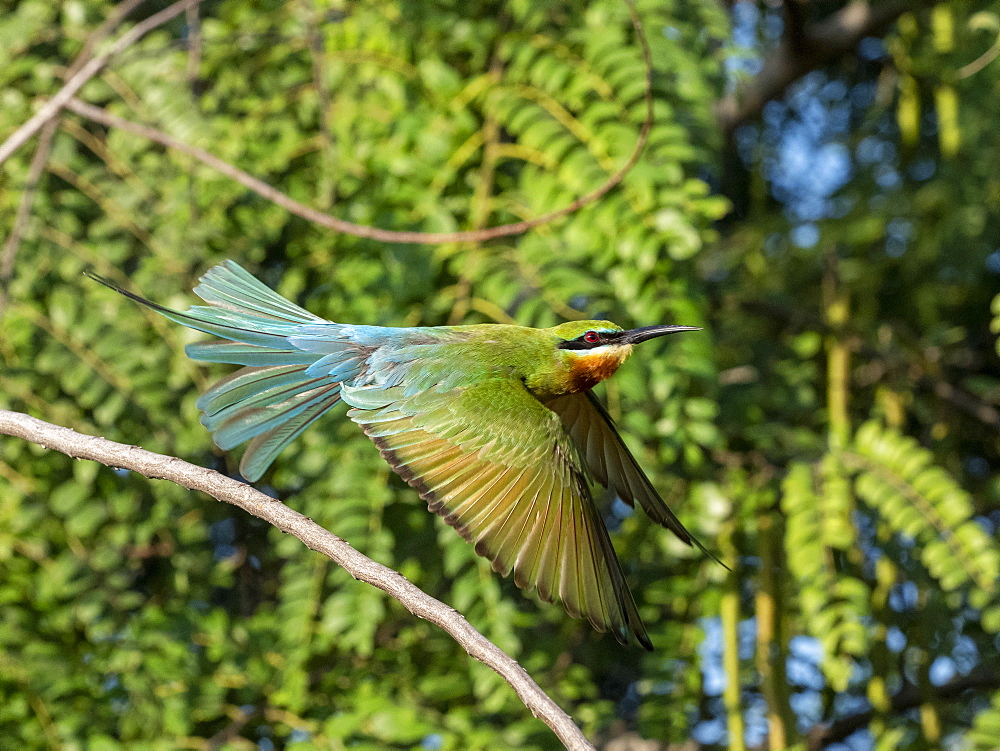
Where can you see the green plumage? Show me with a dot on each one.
(499, 467)
(493, 425)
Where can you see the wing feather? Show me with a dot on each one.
(465, 484)
(611, 463)
(501, 468)
(520, 524)
(505, 530)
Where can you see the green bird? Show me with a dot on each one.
(495, 426)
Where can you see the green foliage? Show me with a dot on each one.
(916, 499)
(819, 537)
(985, 733)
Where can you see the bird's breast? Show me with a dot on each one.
(590, 367)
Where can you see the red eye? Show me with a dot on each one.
(591, 337)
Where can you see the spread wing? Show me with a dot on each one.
(501, 469)
(610, 462)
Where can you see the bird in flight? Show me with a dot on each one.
(495, 426)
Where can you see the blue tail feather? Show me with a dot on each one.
(265, 447)
(252, 421)
(258, 390)
(253, 409)
(231, 287)
(238, 353)
(245, 383)
(283, 388)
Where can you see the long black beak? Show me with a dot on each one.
(634, 336)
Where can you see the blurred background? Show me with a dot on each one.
(820, 192)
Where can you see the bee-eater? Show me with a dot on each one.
(495, 426)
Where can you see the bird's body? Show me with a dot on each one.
(494, 425)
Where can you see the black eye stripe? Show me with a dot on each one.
(603, 337)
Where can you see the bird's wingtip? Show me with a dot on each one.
(697, 543)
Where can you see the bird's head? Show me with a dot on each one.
(593, 350)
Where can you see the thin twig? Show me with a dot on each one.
(981, 410)
(317, 52)
(376, 233)
(13, 243)
(109, 24)
(51, 108)
(242, 716)
(193, 20)
(228, 490)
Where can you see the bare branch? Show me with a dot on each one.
(228, 490)
(805, 48)
(795, 26)
(821, 736)
(982, 411)
(99, 34)
(241, 717)
(51, 108)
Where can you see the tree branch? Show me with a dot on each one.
(228, 490)
(909, 697)
(51, 108)
(805, 48)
